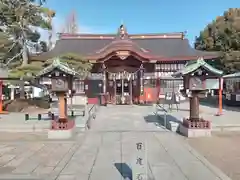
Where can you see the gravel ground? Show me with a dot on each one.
(222, 150)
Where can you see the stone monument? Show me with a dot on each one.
(139, 167)
(198, 78)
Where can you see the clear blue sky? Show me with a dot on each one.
(141, 16)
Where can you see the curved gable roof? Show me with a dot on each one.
(168, 46)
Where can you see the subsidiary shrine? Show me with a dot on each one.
(128, 68)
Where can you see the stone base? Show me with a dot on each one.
(191, 132)
(60, 134)
(196, 124)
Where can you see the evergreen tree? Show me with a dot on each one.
(223, 35)
(19, 20)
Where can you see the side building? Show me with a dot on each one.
(128, 68)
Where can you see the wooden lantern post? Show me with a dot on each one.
(62, 77)
(62, 107)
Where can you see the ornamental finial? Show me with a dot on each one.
(122, 31)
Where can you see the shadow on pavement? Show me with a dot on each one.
(161, 120)
(124, 170)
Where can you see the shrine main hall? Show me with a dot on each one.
(128, 68)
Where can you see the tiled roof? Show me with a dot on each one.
(192, 66)
(58, 65)
(172, 46)
(158, 47)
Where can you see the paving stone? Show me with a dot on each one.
(6, 149)
(107, 151)
(15, 162)
(18, 177)
(4, 159)
(52, 162)
(66, 177)
(168, 173)
(42, 170)
(26, 167)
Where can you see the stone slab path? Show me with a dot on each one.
(107, 152)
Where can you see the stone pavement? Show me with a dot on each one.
(106, 151)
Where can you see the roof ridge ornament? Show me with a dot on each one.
(122, 32)
(201, 61)
(56, 61)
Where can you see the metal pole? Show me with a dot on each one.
(165, 119)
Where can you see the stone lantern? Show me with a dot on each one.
(198, 78)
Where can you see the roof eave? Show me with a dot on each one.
(230, 76)
(177, 74)
(57, 64)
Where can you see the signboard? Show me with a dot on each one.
(212, 83)
(237, 97)
(139, 168)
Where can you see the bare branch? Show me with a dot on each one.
(10, 60)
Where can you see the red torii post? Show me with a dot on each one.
(220, 103)
(1, 98)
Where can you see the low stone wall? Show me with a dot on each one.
(91, 115)
(84, 122)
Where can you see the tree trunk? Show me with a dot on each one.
(24, 62)
(194, 107)
(25, 55)
(22, 91)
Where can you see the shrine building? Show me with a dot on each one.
(128, 68)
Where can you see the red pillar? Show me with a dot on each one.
(219, 113)
(1, 100)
